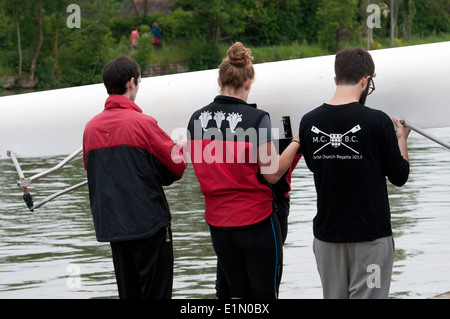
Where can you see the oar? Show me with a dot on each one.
(425, 133)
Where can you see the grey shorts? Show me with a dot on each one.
(355, 270)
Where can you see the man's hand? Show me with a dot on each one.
(402, 133)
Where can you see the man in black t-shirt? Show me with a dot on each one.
(351, 149)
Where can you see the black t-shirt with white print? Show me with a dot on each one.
(351, 149)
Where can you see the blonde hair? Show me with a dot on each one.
(237, 67)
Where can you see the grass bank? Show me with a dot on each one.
(199, 55)
(182, 52)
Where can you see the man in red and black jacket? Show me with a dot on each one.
(129, 159)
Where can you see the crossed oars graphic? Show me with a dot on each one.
(336, 139)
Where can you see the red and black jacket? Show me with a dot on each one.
(223, 142)
(129, 159)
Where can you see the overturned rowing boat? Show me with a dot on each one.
(411, 84)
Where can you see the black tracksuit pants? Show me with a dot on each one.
(250, 260)
(144, 267)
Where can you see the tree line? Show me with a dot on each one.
(40, 49)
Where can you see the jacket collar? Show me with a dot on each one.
(120, 101)
(224, 99)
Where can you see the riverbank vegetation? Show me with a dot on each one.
(41, 49)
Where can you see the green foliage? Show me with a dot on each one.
(286, 52)
(178, 25)
(216, 18)
(144, 48)
(198, 32)
(436, 19)
(203, 55)
(86, 50)
(279, 22)
(338, 19)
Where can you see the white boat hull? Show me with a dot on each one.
(412, 83)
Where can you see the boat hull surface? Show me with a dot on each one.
(412, 83)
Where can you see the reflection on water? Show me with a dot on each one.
(52, 252)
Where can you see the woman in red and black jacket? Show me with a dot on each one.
(129, 159)
(236, 162)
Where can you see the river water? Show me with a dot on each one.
(52, 252)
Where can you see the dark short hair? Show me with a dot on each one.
(352, 64)
(118, 72)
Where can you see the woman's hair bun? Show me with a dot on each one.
(237, 67)
(239, 55)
